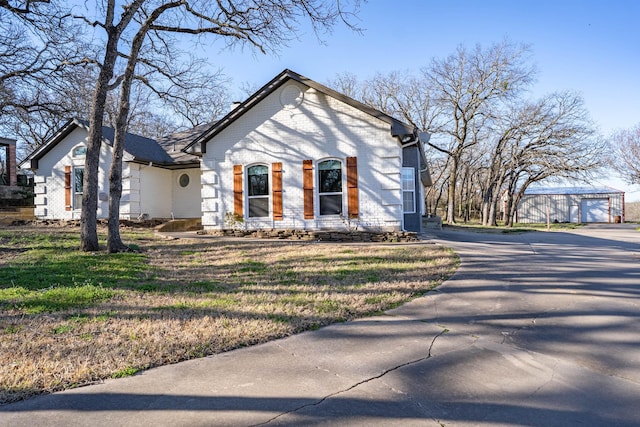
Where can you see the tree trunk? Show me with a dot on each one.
(114, 241)
(496, 193)
(493, 212)
(89, 215)
(509, 211)
(487, 196)
(88, 219)
(451, 193)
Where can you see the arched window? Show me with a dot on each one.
(79, 151)
(330, 187)
(258, 191)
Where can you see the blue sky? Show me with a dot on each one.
(592, 47)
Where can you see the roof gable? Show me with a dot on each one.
(175, 143)
(138, 148)
(397, 128)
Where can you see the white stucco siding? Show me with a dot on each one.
(155, 191)
(283, 129)
(186, 193)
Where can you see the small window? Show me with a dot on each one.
(183, 180)
(78, 178)
(258, 191)
(330, 187)
(79, 151)
(408, 190)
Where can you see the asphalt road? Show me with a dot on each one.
(535, 329)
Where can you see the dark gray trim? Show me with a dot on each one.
(411, 159)
(39, 152)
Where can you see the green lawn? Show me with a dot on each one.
(69, 318)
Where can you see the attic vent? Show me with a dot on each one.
(291, 97)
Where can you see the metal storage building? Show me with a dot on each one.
(571, 204)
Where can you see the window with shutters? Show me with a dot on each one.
(330, 187)
(78, 178)
(408, 190)
(258, 191)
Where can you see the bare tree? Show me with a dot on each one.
(555, 139)
(263, 24)
(348, 84)
(37, 47)
(624, 146)
(466, 89)
(497, 155)
(179, 83)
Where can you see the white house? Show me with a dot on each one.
(294, 155)
(299, 155)
(158, 179)
(571, 204)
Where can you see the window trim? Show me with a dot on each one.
(412, 190)
(266, 196)
(341, 193)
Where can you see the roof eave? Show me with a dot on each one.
(39, 152)
(166, 165)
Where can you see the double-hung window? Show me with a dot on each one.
(258, 191)
(409, 190)
(330, 187)
(78, 178)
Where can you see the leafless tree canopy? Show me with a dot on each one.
(489, 141)
(624, 148)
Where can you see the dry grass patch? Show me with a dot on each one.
(68, 318)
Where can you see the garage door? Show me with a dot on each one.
(595, 210)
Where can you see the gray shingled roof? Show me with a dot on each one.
(142, 149)
(139, 148)
(174, 144)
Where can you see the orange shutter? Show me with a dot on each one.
(352, 187)
(276, 179)
(67, 188)
(307, 185)
(237, 190)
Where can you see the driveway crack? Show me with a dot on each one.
(359, 383)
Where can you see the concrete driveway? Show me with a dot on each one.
(535, 329)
